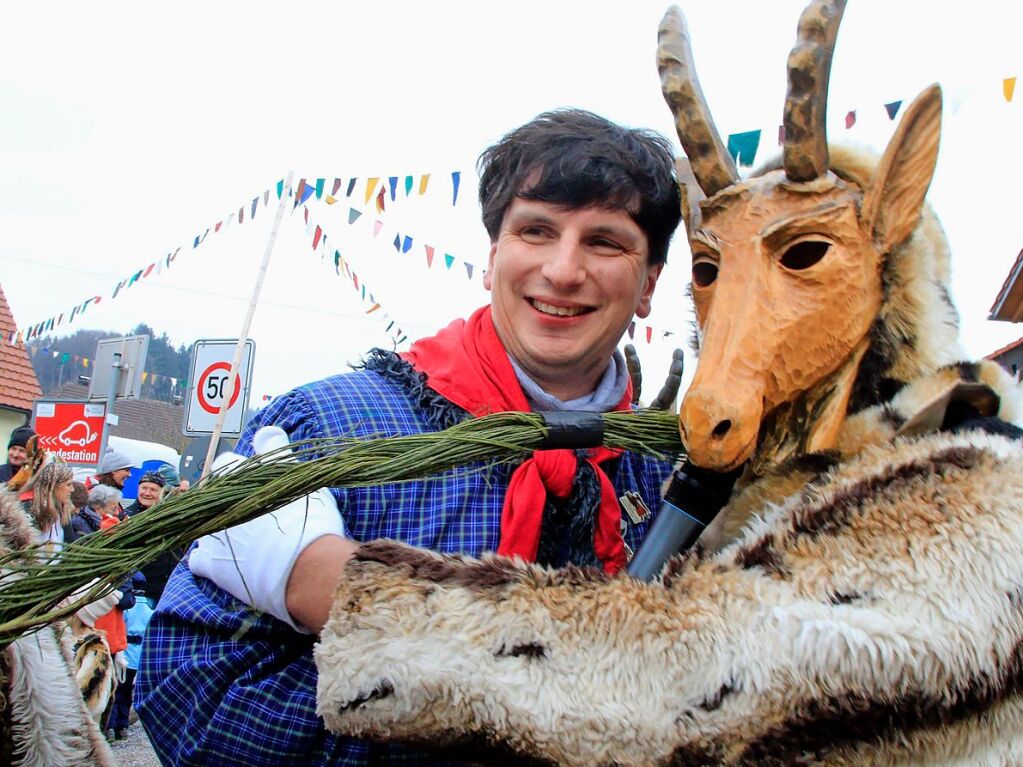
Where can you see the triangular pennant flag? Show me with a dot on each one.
(406, 244)
(300, 191)
(196, 243)
(353, 215)
(632, 329)
(330, 199)
(148, 270)
(266, 198)
(781, 135)
(649, 333)
(255, 203)
(373, 308)
(392, 182)
(319, 187)
(241, 215)
(355, 280)
(397, 243)
(892, 108)
(305, 214)
(1008, 87)
(145, 376)
(850, 118)
(380, 201)
(456, 178)
(364, 291)
(376, 227)
(408, 185)
(743, 147)
(336, 186)
(371, 185)
(216, 227)
(429, 255)
(337, 261)
(468, 269)
(280, 188)
(305, 192)
(424, 181)
(316, 236)
(351, 187)
(448, 260)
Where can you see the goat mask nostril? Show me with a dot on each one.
(721, 429)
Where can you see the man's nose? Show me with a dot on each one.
(565, 265)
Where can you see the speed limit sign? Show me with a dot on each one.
(209, 385)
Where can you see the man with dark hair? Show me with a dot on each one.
(16, 452)
(580, 213)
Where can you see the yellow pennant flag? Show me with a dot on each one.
(330, 199)
(424, 180)
(1008, 87)
(371, 184)
(145, 376)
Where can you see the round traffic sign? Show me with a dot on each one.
(211, 384)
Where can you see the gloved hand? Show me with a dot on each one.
(120, 667)
(97, 609)
(252, 561)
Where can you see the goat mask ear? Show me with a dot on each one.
(891, 207)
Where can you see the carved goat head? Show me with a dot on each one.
(787, 265)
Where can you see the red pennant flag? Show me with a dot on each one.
(649, 333)
(217, 227)
(380, 201)
(305, 212)
(429, 255)
(148, 270)
(316, 236)
(850, 119)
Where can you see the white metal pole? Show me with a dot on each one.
(244, 334)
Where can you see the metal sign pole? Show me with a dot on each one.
(243, 336)
(115, 381)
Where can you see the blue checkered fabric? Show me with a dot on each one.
(220, 684)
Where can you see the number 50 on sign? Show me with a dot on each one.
(209, 387)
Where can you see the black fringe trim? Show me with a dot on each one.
(441, 413)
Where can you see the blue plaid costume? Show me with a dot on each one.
(220, 684)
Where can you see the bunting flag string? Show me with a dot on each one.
(743, 146)
(320, 240)
(89, 362)
(24, 334)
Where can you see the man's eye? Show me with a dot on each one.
(534, 232)
(607, 246)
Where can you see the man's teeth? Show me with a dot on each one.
(559, 311)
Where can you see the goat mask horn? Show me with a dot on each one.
(805, 154)
(711, 163)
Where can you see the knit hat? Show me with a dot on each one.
(20, 436)
(153, 476)
(112, 461)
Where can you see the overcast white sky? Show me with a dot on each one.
(126, 130)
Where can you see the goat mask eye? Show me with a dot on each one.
(804, 254)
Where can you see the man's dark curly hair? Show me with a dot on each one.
(576, 159)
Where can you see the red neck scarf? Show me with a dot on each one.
(467, 364)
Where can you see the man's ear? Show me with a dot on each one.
(649, 283)
(488, 275)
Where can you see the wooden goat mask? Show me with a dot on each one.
(788, 265)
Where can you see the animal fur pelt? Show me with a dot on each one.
(45, 722)
(94, 672)
(870, 612)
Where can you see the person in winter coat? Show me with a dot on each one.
(16, 452)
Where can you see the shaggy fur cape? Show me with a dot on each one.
(43, 719)
(859, 606)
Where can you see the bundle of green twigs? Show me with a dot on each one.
(34, 590)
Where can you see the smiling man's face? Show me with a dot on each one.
(566, 284)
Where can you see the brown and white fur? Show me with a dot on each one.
(43, 719)
(860, 601)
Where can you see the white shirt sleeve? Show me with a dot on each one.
(253, 561)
